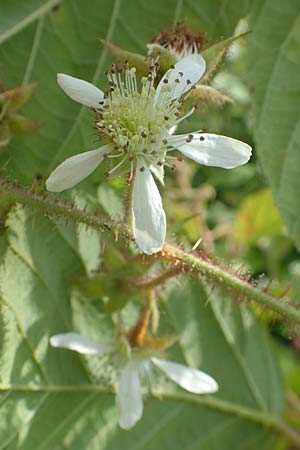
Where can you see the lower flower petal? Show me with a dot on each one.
(80, 344)
(212, 149)
(149, 219)
(75, 169)
(129, 396)
(80, 90)
(191, 380)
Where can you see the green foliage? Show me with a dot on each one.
(57, 277)
(274, 48)
(68, 410)
(252, 221)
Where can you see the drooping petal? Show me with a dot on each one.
(80, 344)
(149, 219)
(129, 396)
(80, 90)
(75, 169)
(182, 78)
(213, 149)
(191, 380)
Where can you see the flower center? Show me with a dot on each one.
(136, 119)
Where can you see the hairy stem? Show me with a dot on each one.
(181, 261)
(243, 287)
(128, 200)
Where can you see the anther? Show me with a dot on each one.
(172, 66)
(145, 151)
(165, 80)
(181, 74)
(188, 82)
(177, 80)
(179, 159)
(189, 138)
(202, 138)
(164, 141)
(131, 158)
(142, 169)
(160, 163)
(143, 134)
(153, 141)
(166, 117)
(154, 152)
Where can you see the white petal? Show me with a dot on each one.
(213, 150)
(192, 67)
(80, 344)
(149, 219)
(80, 90)
(158, 172)
(75, 169)
(191, 380)
(129, 396)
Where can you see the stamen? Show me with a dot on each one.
(107, 174)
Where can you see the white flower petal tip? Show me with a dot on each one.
(213, 150)
(185, 74)
(80, 344)
(192, 380)
(149, 219)
(80, 90)
(129, 396)
(75, 169)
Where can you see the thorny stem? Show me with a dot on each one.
(182, 260)
(128, 199)
(220, 276)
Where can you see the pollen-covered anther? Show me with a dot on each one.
(189, 138)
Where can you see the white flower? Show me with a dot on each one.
(129, 398)
(138, 126)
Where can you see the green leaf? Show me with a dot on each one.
(274, 74)
(52, 397)
(257, 217)
(214, 55)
